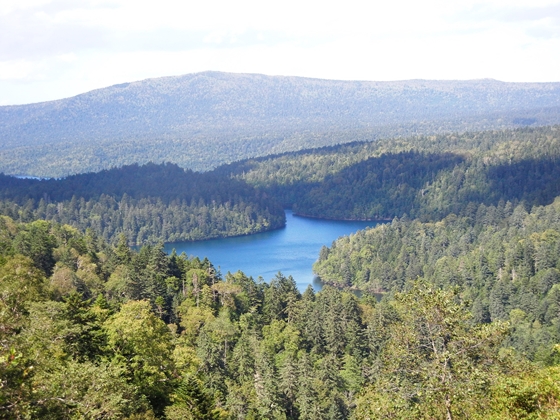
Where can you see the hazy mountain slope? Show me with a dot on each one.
(192, 119)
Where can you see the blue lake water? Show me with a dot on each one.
(291, 250)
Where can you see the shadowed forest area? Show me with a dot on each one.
(422, 177)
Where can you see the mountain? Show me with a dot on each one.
(204, 119)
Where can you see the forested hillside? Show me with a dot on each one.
(147, 203)
(424, 177)
(468, 268)
(505, 259)
(202, 120)
(420, 177)
(89, 330)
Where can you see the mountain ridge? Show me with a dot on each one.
(253, 115)
(287, 78)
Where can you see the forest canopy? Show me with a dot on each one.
(467, 272)
(426, 177)
(145, 335)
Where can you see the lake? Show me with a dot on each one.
(291, 250)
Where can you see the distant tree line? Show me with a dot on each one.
(200, 121)
(421, 177)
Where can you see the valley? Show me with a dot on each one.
(166, 266)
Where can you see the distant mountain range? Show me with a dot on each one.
(205, 119)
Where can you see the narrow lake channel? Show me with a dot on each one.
(291, 250)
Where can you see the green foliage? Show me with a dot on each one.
(143, 342)
(190, 402)
(86, 390)
(15, 387)
(147, 335)
(504, 258)
(21, 283)
(529, 395)
(434, 364)
(35, 242)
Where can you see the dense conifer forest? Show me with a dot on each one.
(505, 260)
(90, 330)
(424, 177)
(467, 267)
(420, 177)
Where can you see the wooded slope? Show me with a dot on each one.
(145, 335)
(426, 177)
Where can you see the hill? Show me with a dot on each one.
(146, 335)
(424, 177)
(205, 119)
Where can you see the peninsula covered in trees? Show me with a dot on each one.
(147, 203)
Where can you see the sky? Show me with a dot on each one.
(52, 49)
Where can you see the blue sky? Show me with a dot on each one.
(51, 49)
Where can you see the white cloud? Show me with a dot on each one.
(16, 70)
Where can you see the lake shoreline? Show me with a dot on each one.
(278, 228)
(217, 238)
(291, 250)
(381, 220)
